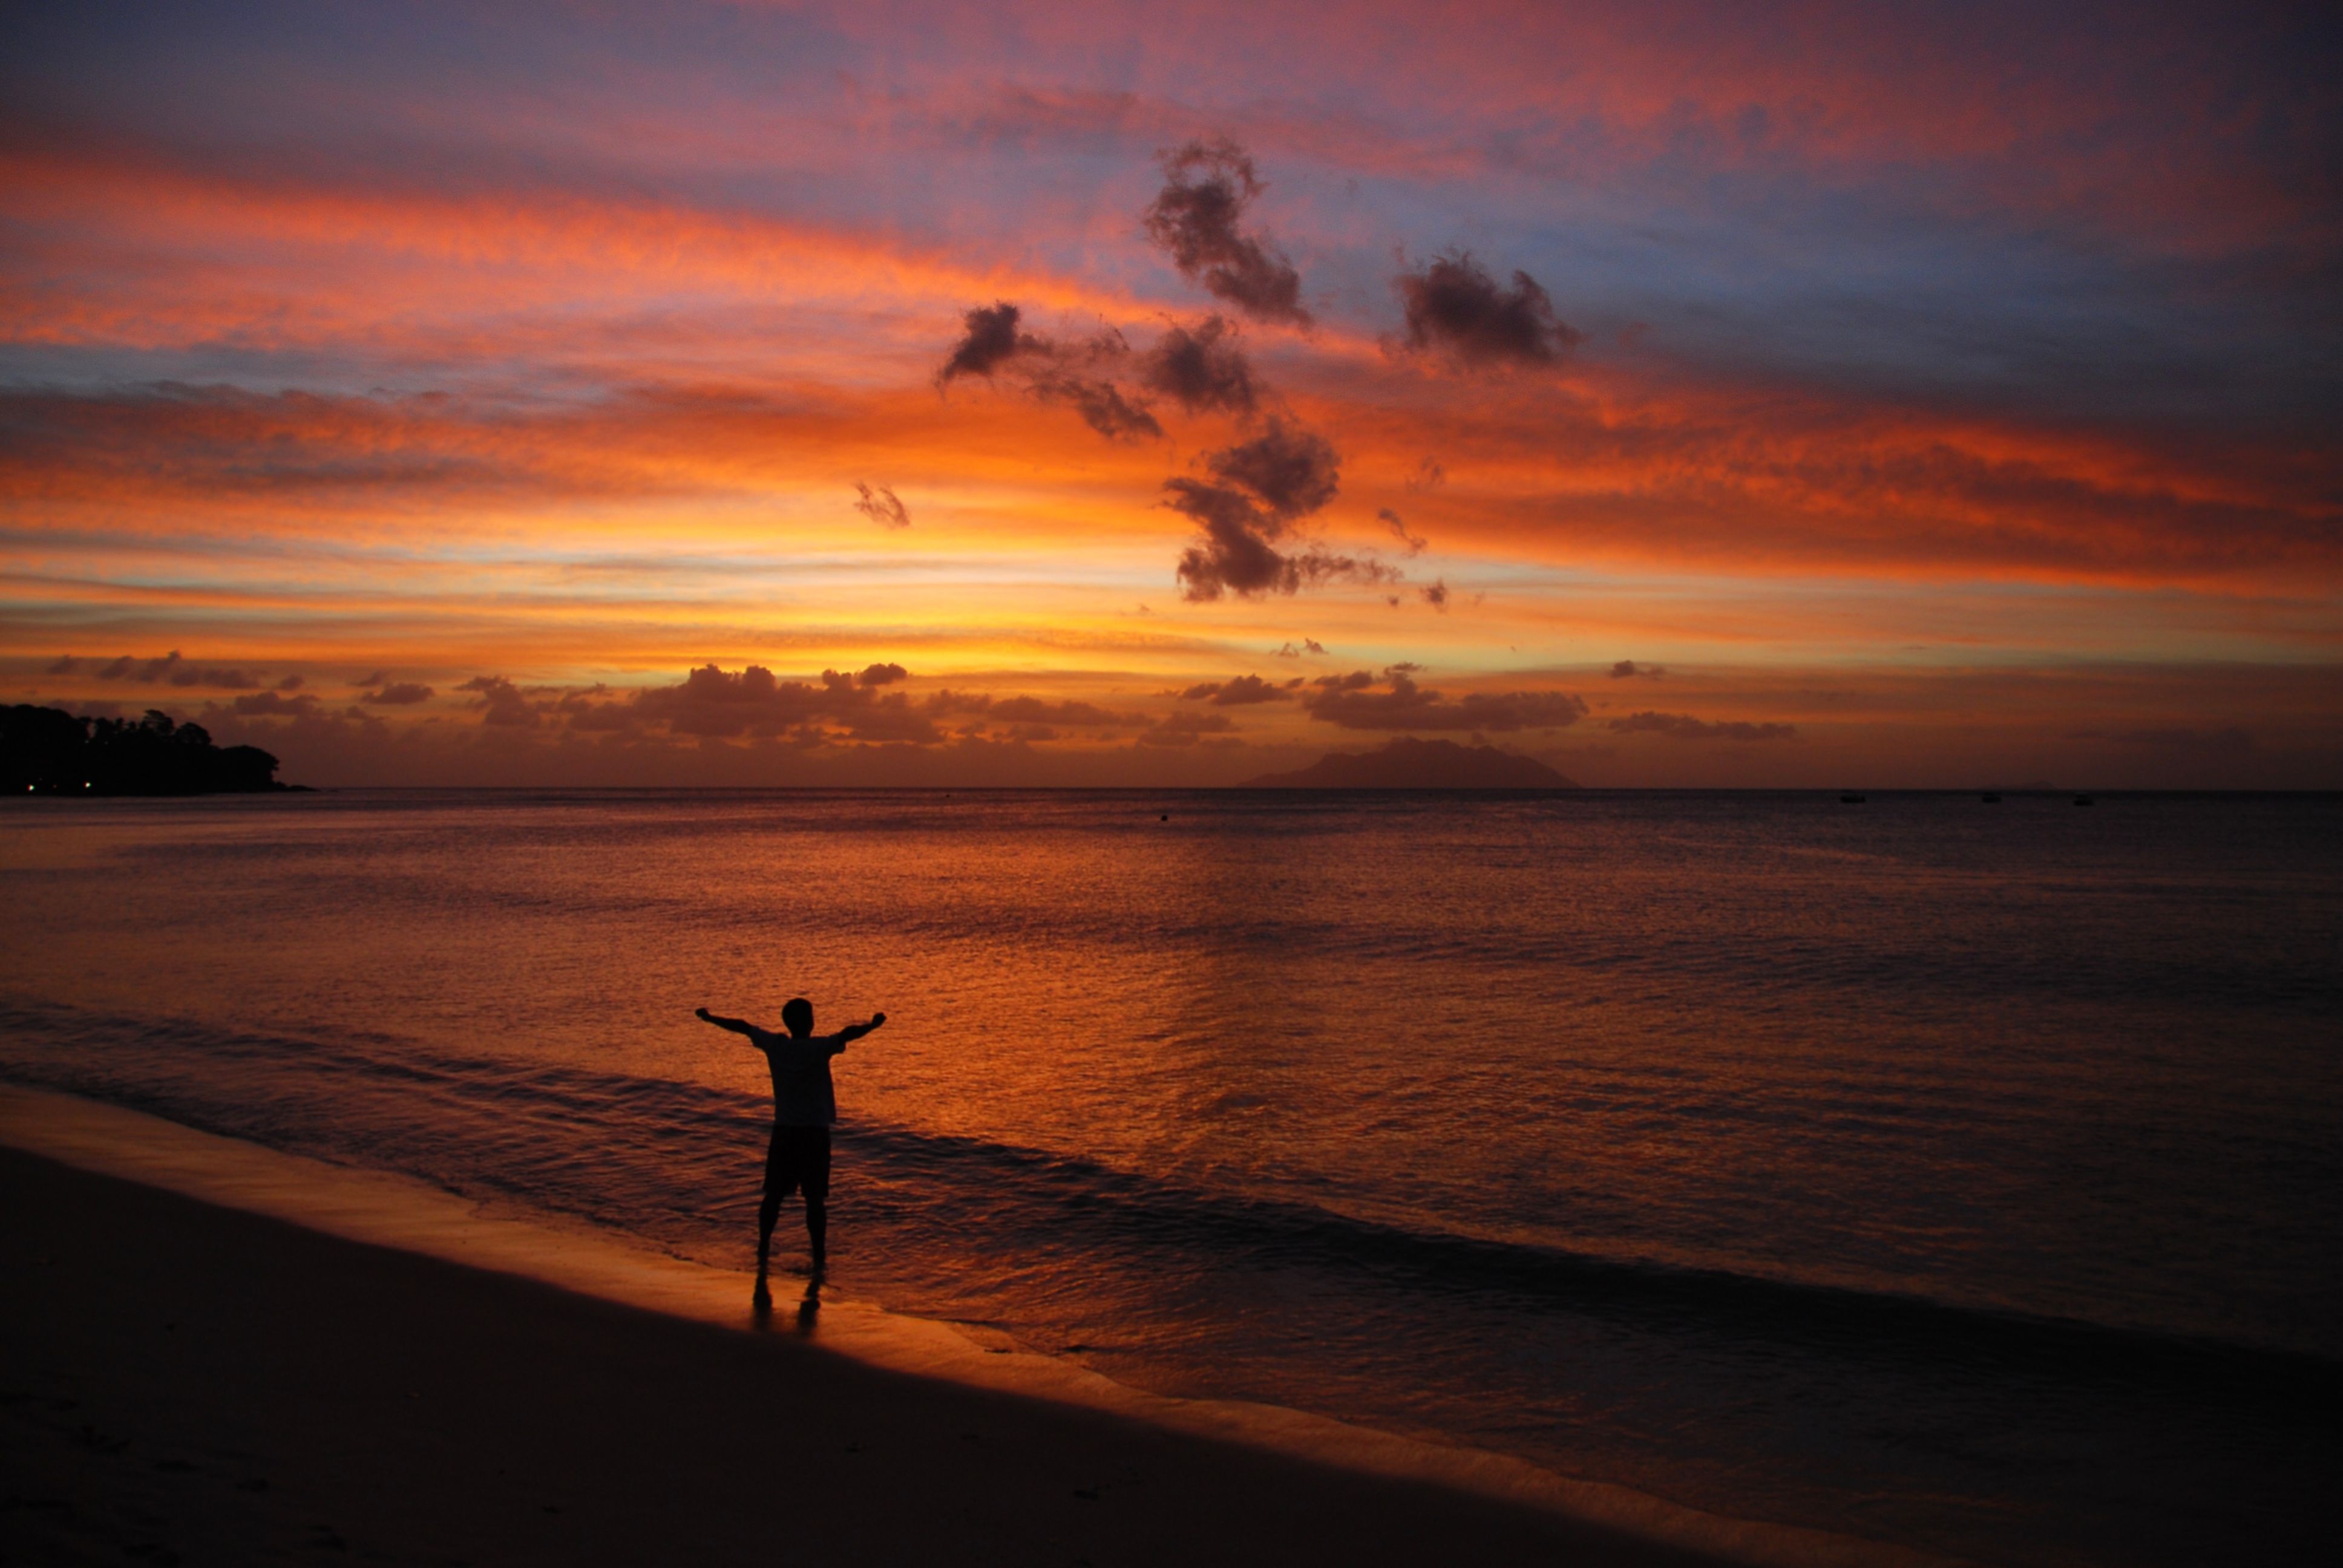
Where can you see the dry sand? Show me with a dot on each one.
(188, 1382)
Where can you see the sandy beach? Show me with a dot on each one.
(189, 1383)
(195, 1382)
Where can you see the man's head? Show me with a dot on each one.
(797, 1016)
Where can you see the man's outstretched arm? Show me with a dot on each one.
(738, 1026)
(854, 1032)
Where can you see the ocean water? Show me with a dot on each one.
(1959, 1175)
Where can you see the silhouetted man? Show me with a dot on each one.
(803, 1108)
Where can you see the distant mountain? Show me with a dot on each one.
(1408, 764)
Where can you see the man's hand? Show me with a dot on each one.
(877, 1019)
(738, 1026)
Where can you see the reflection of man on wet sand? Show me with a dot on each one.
(803, 1108)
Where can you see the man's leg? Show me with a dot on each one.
(813, 1169)
(767, 1213)
(779, 1178)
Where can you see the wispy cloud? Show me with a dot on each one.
(881, 507)
(1416, 544)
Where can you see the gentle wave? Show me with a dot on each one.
(610, 1123)
(1119, 1206)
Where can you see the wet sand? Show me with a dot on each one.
(196, 1381)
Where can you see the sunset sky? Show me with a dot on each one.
(641, 393)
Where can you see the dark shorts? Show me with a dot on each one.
(798, 1157)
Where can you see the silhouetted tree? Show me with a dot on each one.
(48, 751)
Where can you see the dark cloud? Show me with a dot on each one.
(1244, 689)
(258, 704)
(291, 683)
(1205, 572)
(1350, 701)
(1293, 471)
(1416, 545)
(1257, 487)
(1196, 218)
(1428, 475)
(881, 507)
(592, 712)
(1309, 645)
(1103, 405)
(713, 704)
(1627, 669)
(1077, 715)
(1454, 305)
(945, 700)
(63, 666)
(1435, 594)
(1080, 378)
(502, 704)
(1201, 369)
(173, 669)
(990, 341)
(1184, 728)
(1684, 727)
(882, 675)
(1265, 485)
(286, 725)
(397, 694)
(1236, 555)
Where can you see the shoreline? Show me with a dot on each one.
(411, 1219)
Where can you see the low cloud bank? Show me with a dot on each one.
(1684, 727)
(1353, 702)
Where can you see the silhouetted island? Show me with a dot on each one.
(48, 751)
(1410, 764)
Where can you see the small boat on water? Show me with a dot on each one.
(1990, 798)
(2083, 800)
(1851, 799)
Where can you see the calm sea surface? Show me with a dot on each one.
(1963, 1175)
